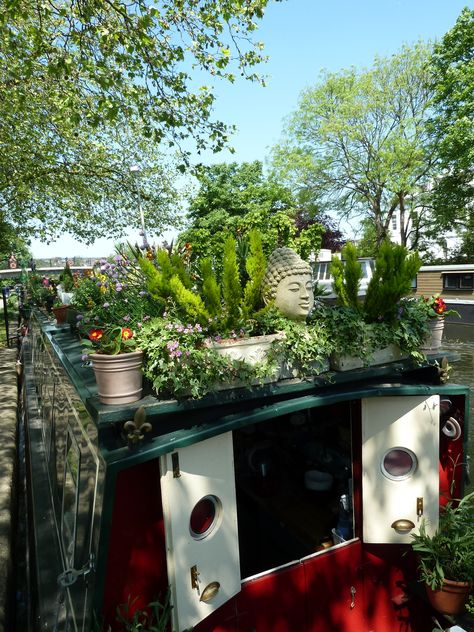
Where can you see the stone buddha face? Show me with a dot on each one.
(288, 283)
(294, 296)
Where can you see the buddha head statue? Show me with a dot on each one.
(288, 282)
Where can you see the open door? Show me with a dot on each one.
(199, 508)
(400, 462)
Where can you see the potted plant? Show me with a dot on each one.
(435, 310)
(117, 363)
(446, 558)
(60, 310)
(218, 331)
(66, 285)
(380, 327)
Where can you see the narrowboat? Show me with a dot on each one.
(455, 282)
(286, 507)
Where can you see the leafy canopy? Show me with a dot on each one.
(133, 57)
(356, 144)
(89, 88)
(452, 66)
(235, 199)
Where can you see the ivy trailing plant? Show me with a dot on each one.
(304, 346)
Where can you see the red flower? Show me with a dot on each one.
(95, 335)
(439, 306)
(127, 333)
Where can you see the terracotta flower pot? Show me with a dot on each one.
(119, 377)
(60, 313)
(451, 598)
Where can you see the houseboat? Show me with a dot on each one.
(286, 507)
(455, 283)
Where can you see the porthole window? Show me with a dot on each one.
(399, 464)
(205, 517)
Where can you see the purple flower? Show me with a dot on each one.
(106, 305)
(146, 318)
(84, 357)
(79, 317)
(119, 287)
(126, 318)
(143, 293)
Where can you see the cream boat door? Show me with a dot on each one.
(400, 461)
(200, 514)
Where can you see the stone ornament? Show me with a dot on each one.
(288, 281)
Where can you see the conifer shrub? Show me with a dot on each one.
(222, 304)
(395, 269)
(347, 275)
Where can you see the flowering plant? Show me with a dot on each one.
(435, 307)
(114, 294)
(110, 340)
(180, 360)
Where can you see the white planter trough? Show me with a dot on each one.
(255, 349)
(391, 353)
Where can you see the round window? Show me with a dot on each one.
(399, 464)
(204, 516)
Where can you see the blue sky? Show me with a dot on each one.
(302, 37)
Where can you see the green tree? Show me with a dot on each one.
(88, 88)
(12, 243)
(356, 144)
(453, 124)
(234, 199)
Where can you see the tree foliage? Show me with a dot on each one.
(453, 124)
(89, 87)
(236, 199)
(356, 144)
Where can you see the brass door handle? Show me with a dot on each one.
(403, 525)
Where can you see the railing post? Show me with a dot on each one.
(5, 295)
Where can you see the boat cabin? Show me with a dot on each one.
(455, 282)
(286, 507)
